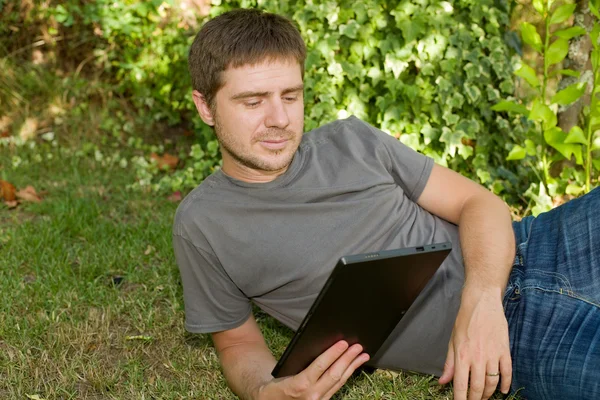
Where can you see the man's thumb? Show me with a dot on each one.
(448, 373)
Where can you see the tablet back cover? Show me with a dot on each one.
(363, 300)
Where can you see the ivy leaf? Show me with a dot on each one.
(528, 73)
(570, 33)
(350, 29)
(453, 140)
(411, 29)
(576, 135)
(562, 13)
(506, 105)
(472, 92)
(555, 137)
(456, 101)
(557, 51)
(516, 153)
(539, 6)
(569, 94)
(352, 70)
(543, 113)
(530, 36)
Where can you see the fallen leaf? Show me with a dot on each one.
(5, 134)
(5, 123)
(34, 397)
(139, 337)
(175, 197)
(166, 160)
(37, 57)
(7, 191)
(149, 250)
(29, 194)
(29, 129)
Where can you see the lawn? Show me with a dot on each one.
(91, 304)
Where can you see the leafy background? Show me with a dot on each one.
(425, 71)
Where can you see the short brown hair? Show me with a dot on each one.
(240, 37)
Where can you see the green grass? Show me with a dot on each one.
(69, 331)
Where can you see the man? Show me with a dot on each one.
(269, 226)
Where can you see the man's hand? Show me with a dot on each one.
(479, 347)
(321, 379)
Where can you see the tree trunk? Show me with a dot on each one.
(578, 60)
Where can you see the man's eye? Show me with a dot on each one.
(252, 104)
(290, 99)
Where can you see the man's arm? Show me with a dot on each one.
(247, 363)
(479, 342)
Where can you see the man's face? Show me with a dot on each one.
(259, 119)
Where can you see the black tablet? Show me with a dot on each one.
(363, 300)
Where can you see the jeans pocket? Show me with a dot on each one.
(513, 289)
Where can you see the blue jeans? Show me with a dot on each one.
(552, 303)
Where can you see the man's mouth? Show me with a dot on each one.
(274, 144)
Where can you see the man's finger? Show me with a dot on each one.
(461, 378)
(506, 372)
(357, 362)
(334, 375)
(448, 366)
(324, 361)
(477, 382)
(491, 381)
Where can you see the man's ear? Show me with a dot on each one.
(203, 108)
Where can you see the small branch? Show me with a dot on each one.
(33, 45)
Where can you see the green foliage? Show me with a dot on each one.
(547, 143)
(425, 71)
(139, 45)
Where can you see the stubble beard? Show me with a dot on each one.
(227, 141)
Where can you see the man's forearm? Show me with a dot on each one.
(246, 367)
(488, 244)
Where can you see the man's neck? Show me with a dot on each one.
(250, 175)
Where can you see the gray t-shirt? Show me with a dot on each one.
(350, 188)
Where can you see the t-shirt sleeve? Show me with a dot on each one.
(410, 169)
(212, 301)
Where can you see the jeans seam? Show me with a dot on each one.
(520, 246)
(560, 291)
(526, 242)
(562, 278)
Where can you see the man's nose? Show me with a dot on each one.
(277, 116)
